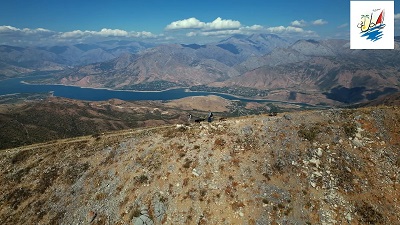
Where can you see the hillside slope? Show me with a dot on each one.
(313, 167)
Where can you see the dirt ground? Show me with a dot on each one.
(332, 166)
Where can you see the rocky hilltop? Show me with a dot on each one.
(338, 166)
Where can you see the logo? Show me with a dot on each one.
(371, 24)
(371, 28)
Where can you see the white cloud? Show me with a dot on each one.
(291, 31)
(24, 30)
(144, 34)
(298, 23)
(8, 28)
(112, 33)
(220, 24)
(192, 34)
(281, 29)
(252, 28)
(193, 23)
(222, 27)
(241, 30)
(319, 22)
(397, 16)
(214, 33)
(105, 32)
(74, 34)
(42, 36)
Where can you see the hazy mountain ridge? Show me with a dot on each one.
(15, 60)
(325, 71)
(332, 166)
(182, 65)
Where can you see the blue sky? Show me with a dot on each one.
(47, 21)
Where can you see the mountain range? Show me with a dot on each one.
(310, 71)
(19, 60)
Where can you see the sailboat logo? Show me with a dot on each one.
(371, 25)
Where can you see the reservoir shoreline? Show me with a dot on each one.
(22, 85)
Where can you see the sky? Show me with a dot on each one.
(47, 22)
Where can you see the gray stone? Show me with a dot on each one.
(357, 142)
(247, 130)
(319, 152)
(288, 117)
(143, 220)
(159, 210)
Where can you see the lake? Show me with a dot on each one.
(16, 85)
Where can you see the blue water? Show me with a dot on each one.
(14, 85)
(374, 34)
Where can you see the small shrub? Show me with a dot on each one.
(21, 156)
(187, 164)
(15, 198)
(142, 179)
(398, 161)
(135, 213)
(163, 199)
(170, 133)
(229, 191)
(266, 175)
(350, 129)
(308, 132)
(288, 211)
(237, 205)
(203, 193)
(74, 172)
(185, 181)
(47, 179)
(368, 214)
(100, 196)
(96, 136)
(219, 142)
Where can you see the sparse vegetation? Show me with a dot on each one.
(74, 171)
(309, 132)
(237, 205)
(219, 142)
(258, 167)
(187, 163)
(350, 129)
(14, 198)
(368, 214)
(142, 179)
(47, 179)
(135, 212)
